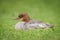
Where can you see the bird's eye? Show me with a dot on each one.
(20, 16)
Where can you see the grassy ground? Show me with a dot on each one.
(45, 10)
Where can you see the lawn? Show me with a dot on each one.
(45, 10)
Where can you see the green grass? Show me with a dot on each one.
(45, 10)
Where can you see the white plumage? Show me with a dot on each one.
(19, 25)
(32, 24)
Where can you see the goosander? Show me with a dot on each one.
(27, 23)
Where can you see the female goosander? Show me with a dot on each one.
(28, 23)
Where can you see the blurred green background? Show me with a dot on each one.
(45, 10)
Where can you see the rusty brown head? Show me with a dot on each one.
(23, 17)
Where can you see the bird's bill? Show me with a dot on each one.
(19, 19)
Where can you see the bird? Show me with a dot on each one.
(26, 23)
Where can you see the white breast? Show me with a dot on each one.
(19, 26)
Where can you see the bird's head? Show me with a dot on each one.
(23, 17)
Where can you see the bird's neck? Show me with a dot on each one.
(27, 19)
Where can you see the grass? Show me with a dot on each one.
(45, 10)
